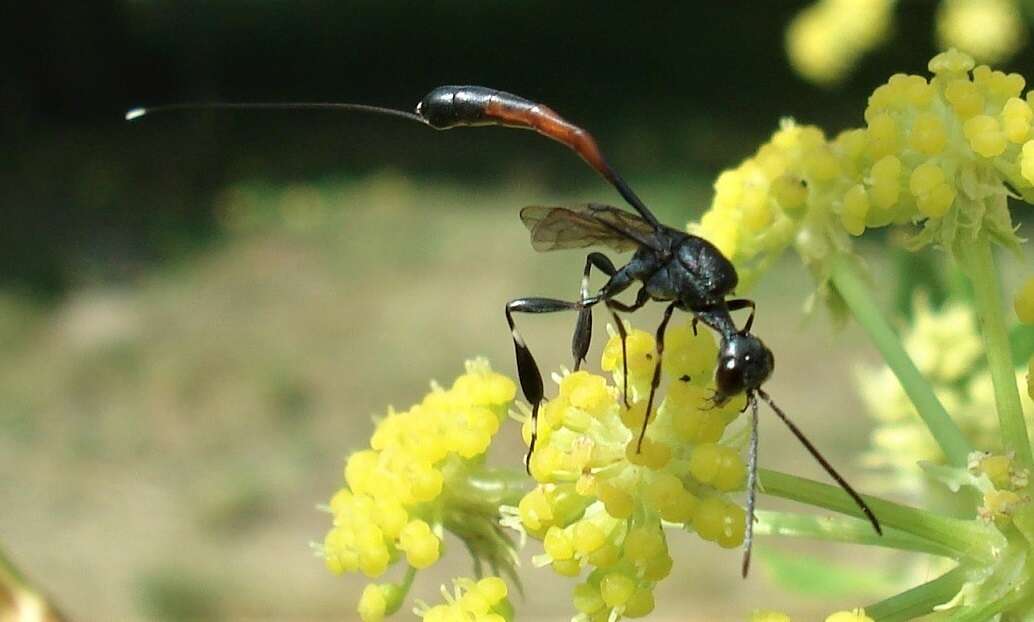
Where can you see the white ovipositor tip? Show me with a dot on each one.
(135, 113)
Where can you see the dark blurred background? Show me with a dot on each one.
(199, 312)
(670, 88)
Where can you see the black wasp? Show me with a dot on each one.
(685, 271)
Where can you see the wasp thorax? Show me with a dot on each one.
(744, 363)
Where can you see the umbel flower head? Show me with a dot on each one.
(471, 601)
(946, 347)
(936, 152)
(412, 484)
(601, 503)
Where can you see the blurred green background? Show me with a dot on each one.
(200, 312)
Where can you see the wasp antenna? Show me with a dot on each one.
(136, 113)
(752, 486)
(857, 498)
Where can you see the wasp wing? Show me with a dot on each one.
(580, 226)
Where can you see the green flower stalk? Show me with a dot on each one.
(941, 155)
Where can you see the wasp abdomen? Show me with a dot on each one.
(455, 106)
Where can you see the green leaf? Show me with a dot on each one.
(811, 576)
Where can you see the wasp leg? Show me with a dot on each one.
(656, 381)
(815, 453)
(641, 299)
(743, 303)
(527, 369)
(752, 484)
(583, 327)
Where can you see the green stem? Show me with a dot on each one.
(920, 600)
(969, 539)
(978, 263)
(397, 592)
(987, 611)
(861, 302)
(843, 529)
(492, 486)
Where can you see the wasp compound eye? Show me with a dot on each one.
(743, 365)
(728, 378)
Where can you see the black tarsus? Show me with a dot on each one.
(656, 380)
(857, 498)
(616, 305)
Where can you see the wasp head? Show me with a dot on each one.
(744, 363)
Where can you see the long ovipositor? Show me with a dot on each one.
(447, 107)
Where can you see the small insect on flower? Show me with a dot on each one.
(687, 272)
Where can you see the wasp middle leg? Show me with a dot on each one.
(583, 327)
(527, 369)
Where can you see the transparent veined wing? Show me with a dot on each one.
(581, 226)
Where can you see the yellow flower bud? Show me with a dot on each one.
(557, 544)
(587, 598)
(965, 98)
(985, 135)
(886, 184)
(855, 615)
(1016, 117)
(854, 210)
(616, 589)
(951, 62)
(640, 604)
(883, 136)
(937, 202)
(372, 604)
(790, 193)
(1027, 161)
(928, 134)
(588, 537)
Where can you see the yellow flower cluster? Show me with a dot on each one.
(471, 601)
(854, 615)
(826, 39)
(935, 151)
(1003, 492)
(946, 348)
(392, 502)
(990, 30)
(601, 501)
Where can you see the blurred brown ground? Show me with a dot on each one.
(165, 444)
